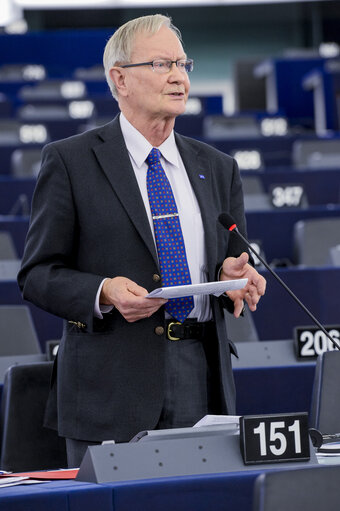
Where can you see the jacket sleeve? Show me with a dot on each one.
(49, 277)
(235, 245)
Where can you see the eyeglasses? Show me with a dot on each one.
(162, 66)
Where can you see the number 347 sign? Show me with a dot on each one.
(274, 438)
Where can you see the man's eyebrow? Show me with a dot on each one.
(158, 57)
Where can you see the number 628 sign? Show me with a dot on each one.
(274, 438)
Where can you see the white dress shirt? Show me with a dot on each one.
(188, 209)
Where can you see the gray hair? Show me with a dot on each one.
(118, 49)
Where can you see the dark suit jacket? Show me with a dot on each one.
(89, 222)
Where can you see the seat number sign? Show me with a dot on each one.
(286, 195)
(310, 341)
(274, 438)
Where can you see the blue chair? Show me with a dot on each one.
(309, 489)
(325, 409)
(25, 444)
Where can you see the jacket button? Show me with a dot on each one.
(159, 330)
(156, 277)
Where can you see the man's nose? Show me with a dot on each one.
(175, 74)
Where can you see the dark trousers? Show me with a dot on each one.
(75, 450)
(189, 392)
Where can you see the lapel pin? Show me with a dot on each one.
(201, 176)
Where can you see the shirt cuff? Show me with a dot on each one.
(99, 310)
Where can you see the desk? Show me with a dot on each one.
(275, 228)
(286, 389)
(218, 492)
(262, 390)
(259, 390)
(321, 186)
(277, 313)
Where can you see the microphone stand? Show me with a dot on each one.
(234, 228)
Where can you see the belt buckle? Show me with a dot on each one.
(171, 337)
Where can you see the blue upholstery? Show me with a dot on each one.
(310, 488)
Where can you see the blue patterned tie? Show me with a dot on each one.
(168, 234)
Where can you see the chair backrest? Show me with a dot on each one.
(255, 196)
(17, 331)
(95, 72)
(25, 162)
(316, 154)
(334, 256)
(221, 127)
(250, 91)
(313, 238)
(252, 185)
(53, 90)
(44, 112)
(325, 409)
(309, 489)
(18, 72)
(242, 328)
(7, 248)
(9, 132)
(9, 269)
(26, 444)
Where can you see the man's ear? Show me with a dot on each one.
(117, 75)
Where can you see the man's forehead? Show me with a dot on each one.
(162, 43)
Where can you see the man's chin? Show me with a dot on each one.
(176, 109)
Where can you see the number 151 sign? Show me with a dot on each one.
(274, 438)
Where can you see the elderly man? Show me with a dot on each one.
(118, 212)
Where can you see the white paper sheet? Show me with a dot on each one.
(213, 420)
(207, 288)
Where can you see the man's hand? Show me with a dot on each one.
(129, 299)
(239, 268)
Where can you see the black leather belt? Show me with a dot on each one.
(189, 329)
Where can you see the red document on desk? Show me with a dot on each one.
(70, 473)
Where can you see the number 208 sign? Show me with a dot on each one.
(311, 341)
(274, 438)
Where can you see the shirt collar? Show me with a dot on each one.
(139, 148)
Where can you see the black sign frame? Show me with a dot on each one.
(302, 199)
(304, 348)
(274, 438)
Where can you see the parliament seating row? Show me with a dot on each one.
(283, 75)
(263, 191)
(260, 139)
(26, 386)
(276, 318)
(262, 155)
(288, 188)
(292, 389)
(273, 229)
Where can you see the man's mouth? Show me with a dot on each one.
(177, 94)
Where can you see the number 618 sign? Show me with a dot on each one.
(274, 438)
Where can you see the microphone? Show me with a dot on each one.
(318, 439)
(229, 223)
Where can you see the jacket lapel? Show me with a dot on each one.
(114, 159)
(199, 170)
